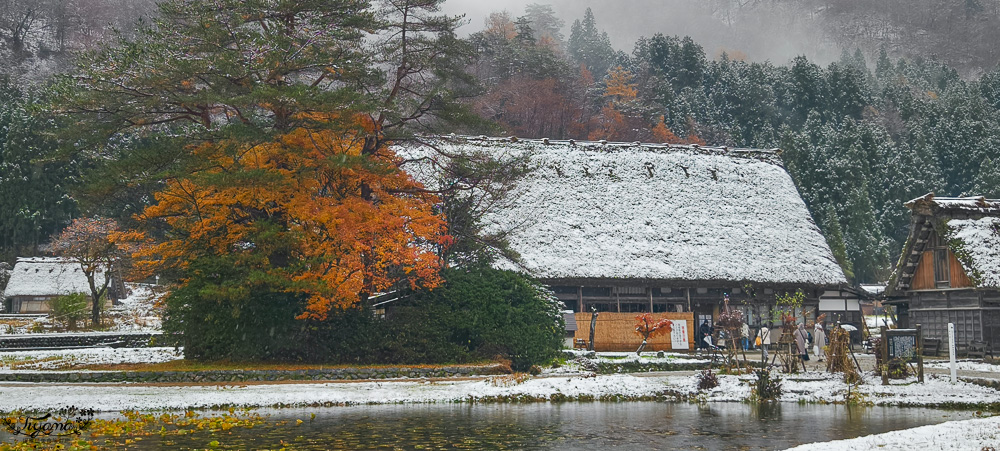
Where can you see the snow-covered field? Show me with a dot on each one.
(828, 388)
(809, 387)
(74, 358)
(966, 365)
(966, 435)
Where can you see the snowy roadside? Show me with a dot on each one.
(74, 358)
(976, 434)
(808, 387)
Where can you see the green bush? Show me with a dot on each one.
(493, 313)
(70, 308)
(221, 314)
(475, 315)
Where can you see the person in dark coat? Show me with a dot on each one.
(704, 331)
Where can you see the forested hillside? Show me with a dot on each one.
(860, 137)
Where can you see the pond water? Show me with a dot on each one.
(646, 425)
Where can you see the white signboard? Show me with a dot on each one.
(679, 334)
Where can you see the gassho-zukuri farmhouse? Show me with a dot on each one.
(630, 227)
(949, 270)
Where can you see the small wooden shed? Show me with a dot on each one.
(34, 281)
(949, 270)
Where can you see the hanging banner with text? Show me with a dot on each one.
(679, 334)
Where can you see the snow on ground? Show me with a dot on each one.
(73, 358)
(138, 312)
(965, 365)
(116, 397)
(829, 388)
(807, 387)
(976, 434)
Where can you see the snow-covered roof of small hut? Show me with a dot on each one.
(46, 276)
(601, 210)
(929, 204)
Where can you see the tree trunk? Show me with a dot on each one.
(641, 347)
(593, 328)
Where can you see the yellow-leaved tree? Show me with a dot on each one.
(293, 210)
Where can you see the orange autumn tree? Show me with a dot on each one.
(261, 132)
(647, 327)
(613, 122)
(294, 213)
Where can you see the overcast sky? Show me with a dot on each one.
(772, 36)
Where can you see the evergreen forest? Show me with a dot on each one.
(860, 136)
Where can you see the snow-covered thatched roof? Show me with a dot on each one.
(657, 212)
(976, 244)
(969, 225)
(46, 276)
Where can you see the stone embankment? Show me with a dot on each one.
(78, 340)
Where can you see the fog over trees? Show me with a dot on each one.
(963, 34)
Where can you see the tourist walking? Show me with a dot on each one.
(763, 340)
(819, 340)
(745, 336)
(801, 337)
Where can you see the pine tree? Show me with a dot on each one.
(34, 179)
(589, 46)
(271, 125)
(987, 183)
(835, 239)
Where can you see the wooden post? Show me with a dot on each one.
(593, 328)
(618, 299)
(688, 290)
(920, 356)
(885, 355)
(579, 299)
(649, 290)
(951, 352)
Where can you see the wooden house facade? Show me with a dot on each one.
(949, 271)
(630, 227)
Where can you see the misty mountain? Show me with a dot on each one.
(961, 33)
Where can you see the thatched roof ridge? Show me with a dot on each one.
(46, 276)
(599, 210)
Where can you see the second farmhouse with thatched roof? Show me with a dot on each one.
(949, 271)
(629, 227)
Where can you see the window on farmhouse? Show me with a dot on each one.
(942, 271)
(631, 291)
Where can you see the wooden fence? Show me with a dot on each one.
(616, 331)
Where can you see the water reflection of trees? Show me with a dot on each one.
(766, 411)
